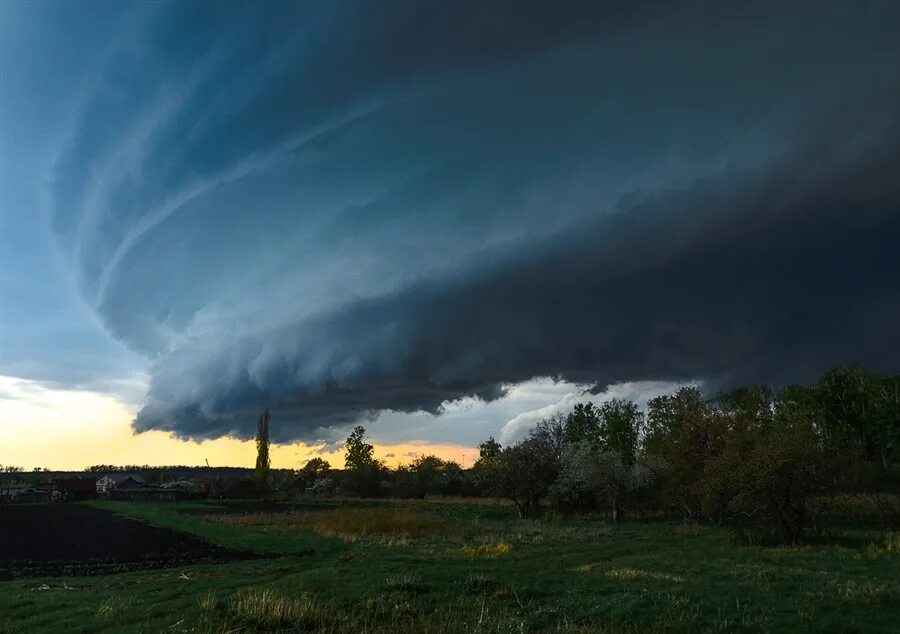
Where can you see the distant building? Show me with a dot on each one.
(113, 481)
(23, 495)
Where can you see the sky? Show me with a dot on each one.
(440, 220)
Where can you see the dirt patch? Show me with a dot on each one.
(49, 540)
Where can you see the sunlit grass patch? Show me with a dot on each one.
(270, 610)
(626, 574)
(487, 550)
(112, 608)
(208, 602)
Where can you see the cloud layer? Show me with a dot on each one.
(340, 210)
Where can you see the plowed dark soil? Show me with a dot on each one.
(50, 540)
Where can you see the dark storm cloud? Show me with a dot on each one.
(380, 207)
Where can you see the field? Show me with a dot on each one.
(76, 539)
(432, 567)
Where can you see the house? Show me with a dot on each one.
(113, 481)
(23, 495)
(184, 489)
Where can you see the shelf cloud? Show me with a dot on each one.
(339, 209)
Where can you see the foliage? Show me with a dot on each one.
(314, 470)
(593, 477)
(582, 423)
(749, 457)
(263, 465)
(364, 470)
(428, 475)
(524, 471)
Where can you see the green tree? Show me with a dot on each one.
(427, 472)
(685, 438)
(262, 451)
(787, 466)
(619, 426)
(359, 454)
(314, 469)
(525, 471)
(364, 470)
(490, 448)
(582, 423)
(861, 411)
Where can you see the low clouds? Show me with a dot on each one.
(338, 211)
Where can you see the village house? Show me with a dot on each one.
(113, 481)
(23, 494)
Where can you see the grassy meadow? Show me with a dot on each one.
(454, 567)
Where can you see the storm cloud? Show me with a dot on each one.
(336, 210)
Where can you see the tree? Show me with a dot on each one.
(525, 471)
(598, 461)
(359, 454)
(590, 474)
(363, 468)
(489, 448)
(313, 470)
(262, 451)
(861, 411)
(582, 423)
(687, 437)
(453, 478)
(427, 473)
(620, 422)
(787, 465)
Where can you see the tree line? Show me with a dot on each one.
(752, 457)
(772, 463)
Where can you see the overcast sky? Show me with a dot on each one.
(396, 212)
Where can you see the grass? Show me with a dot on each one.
(345, 523)
(430, 567)
(270, 610)
(487, 550)
(114, 608)
(888, 546)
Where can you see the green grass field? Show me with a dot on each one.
(435, 567)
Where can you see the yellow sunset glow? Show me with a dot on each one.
(73, 429)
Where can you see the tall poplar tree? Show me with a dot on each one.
(262, 450)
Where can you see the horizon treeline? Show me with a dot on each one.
(777, 465)
(773, 465)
